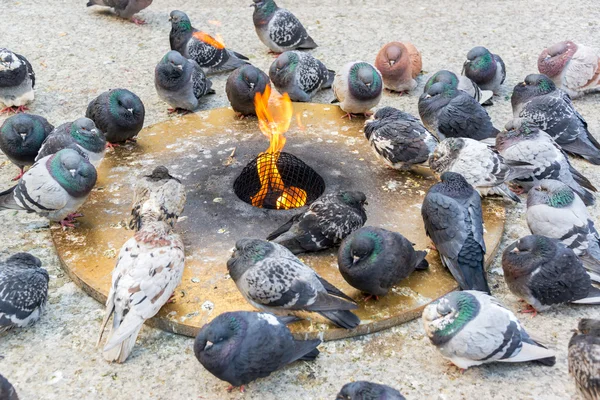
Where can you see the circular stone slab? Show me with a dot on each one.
(208, 150)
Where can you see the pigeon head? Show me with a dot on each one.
(516, 131)
(364, 81)
(85, 133)
(381, 117)
(454, 184)
(447, 316)
(171, 70)
(263, 8)
(365, 245)
(247, 252)
(533, 86)
(125, 107)
(24, 260)
(216, 342)
(7, 390)
(23, 134)
(524, 256)
(180, 21)
(588, 326)
(282, 69)
(363, 390)
(480, 65)
(161, 173)
(72, 171)
(392, 54)
(355, 200)
(444, 76)
(553, 59)
(436, 97)
(8, 60)
(445, 154)
(552, 193)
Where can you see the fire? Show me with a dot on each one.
(206, 38)
(273, 123)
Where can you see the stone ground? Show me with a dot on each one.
(78, 52)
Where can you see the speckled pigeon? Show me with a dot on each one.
(471, 328)
(279, 29)
(210, 54)
(21, 137)
(240, 347)
(399, 64)
(325, 224)
(300, 75)
(17, 81)
(487, 70)
(363, 390)
(23, 291)
(453, 220)
(540, 102)
(461, 83)
(124, 8)
(357, 87)
(271, 278)
(118, 113)
(584, 358)
(7, 391)
(241, 88)
(399, 139)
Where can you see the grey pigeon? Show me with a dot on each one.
(399, 64)
(538, 100)
(271, 278)
(118, 113)
(21, 137)
(54, 187)
(181, 82)
(472, 328)
(300, 75)
(399, 139)
(584, 358)
(363, 390)
(555, 211)
(449, 112)
(543, 271)
(241, 88)
(240, 347)
(278, 28)
(23, 291)
(575, 68)
(524, 142)
(357, 87)
(7, 391)
(210, 54)
(482, 166)
(81, 135)
(325, 224)
(453, 220)
(487, 70)
(17, 81)
(461, 83)
(124, 8)
(373, 260)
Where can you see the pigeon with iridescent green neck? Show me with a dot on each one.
(7, 391)
(81, 135)
(357, 87)
(487, 70)
(118, 113)
(461, 83)
(471, 328)
(242, 86)
(363, 390)
(17, 81)
(300, 75)
(124, 8)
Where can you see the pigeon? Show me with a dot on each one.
(23, 291)
(524, 142)
(54, 187)
(482, 166)
(7, 391)
(461, 83)
(17, 81)
(584, 358)
(242, 86)
(357, 87)
(573, 67)
(399, 65)
(81, 135)
(449, 112)
(21, 137)
(279, 29)
(487, 70)
(363, 390)
(472, 328)
(300, 75)
(240, 347)
(543, 272)
(165, 190)
(324, 225)
(453, 220)
(118, 113)
(539, 101)
(124, 8)
(271, 278)
(555, 211)
(399, 139)
(373, 260)
(210, 54)
(181, 82)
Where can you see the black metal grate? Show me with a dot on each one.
(301, 184)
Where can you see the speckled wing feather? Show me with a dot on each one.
(287, 31)
(21, 293)
(29, 69)
(201, 85)
(401, 141)
(584, 364)
(311, 74)
(464, 117)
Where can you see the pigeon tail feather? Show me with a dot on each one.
(593, 297)
(121, 351)
(344, 319)
(423, 264)
(533, 352)
(330, 77)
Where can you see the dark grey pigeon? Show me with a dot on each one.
(181, 82)
(453, 220)
(538, 100)
(7, 391)
(373, 260)
(449, 112)
(584, 359)
(271, 278)
(240, 347)
(399, 139)
(325, 224)
(543, 271)
(487, 70)
(242, 86)
(124, 8)
(23, 291)
(17, 81)
(81, 135)
(210, 54)
(300, 75)
(21, 137)
(279, 29)
(363, 390)
(461, 83)
(118, 113)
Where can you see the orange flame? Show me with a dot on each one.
(206, 38)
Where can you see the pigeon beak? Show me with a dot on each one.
(251, 85)
(170, 19)
(366, 203)
(23, 136)
(72, 171)
(515, 251)
(209, 344)
(232, 250)
(368, 84)
(130, 110)
(355, 259)
(427, 96)
(253, 5)
(392, 62)
(180, 67)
